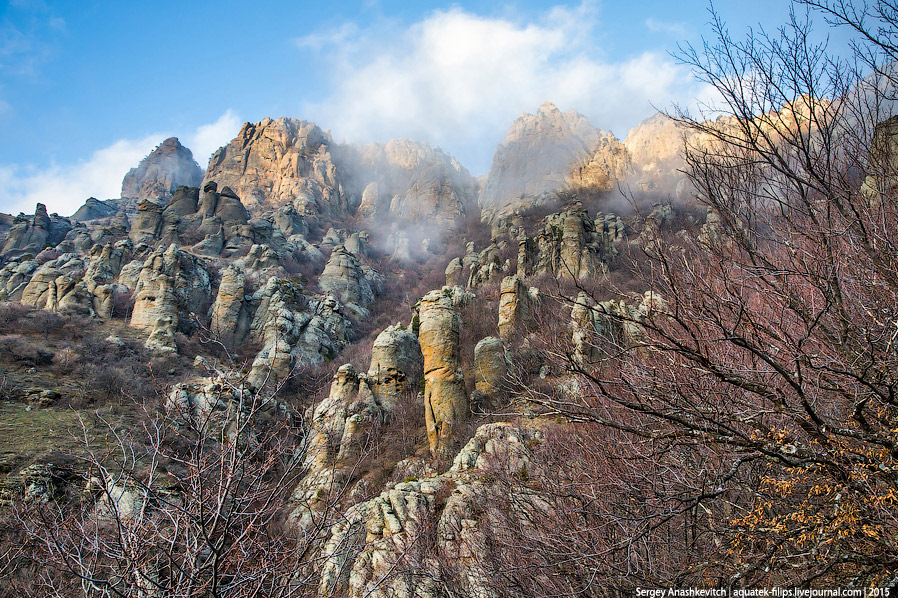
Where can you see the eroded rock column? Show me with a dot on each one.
(445, 399)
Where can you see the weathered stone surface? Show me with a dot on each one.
(377, 536)
(166, 168)
(454, 273)
(32, 234)
(608, 165)
(490, 370)
(358, 243)
(148, 224)
(570, 245)
(229, 313)
(281, 162)
(604, 328)
(172, 290)
(94, 209)
(487, 266)
(516, 306)
(295, 330)
(346, 277)
(51, 282)
(397, 364)
(445, 398)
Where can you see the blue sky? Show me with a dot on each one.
(87, 87)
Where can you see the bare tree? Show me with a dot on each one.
(762, 370)
(189, 502)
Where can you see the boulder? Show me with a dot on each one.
(355, 284)
(397, 364)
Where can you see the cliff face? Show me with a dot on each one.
(158, 175)
(280, 162)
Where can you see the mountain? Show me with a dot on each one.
(375, 304)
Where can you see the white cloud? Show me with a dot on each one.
(458, 80)
(64, 187)
(674, 29)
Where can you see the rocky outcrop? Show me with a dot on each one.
(538, 157)
(490, 371)
(94, 209)
(571, 245)
(230, 318)
(488, 265)
(14, 276)
(445, 398)
(172, 291)
(215, 402)
(608, 165)
(51, 284)
(32, 234)
(354, 283)
(215, 223)
(517, 305)
(397, 364)
(281, 162)
(295, 330)
(388, 532)
(106, 262)
(166, 168)
(604, 328)
(147, 226)
(350, 417)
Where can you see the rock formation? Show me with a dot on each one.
(229, 312)
(172, 290)
(516, 306)
(397, 364)
(31, 235)
(52, 282)
(93, 209)
(571, 245)
(295, 330)
(281, 162)
(490, 371)
(376, 536)
(445, 398)
(354, 283)
(166, 168)
(538, 157)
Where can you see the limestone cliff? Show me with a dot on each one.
(280, 162)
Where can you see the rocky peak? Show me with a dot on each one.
(280, 162)
(537, 157)
(166, 168)
(93, 209)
